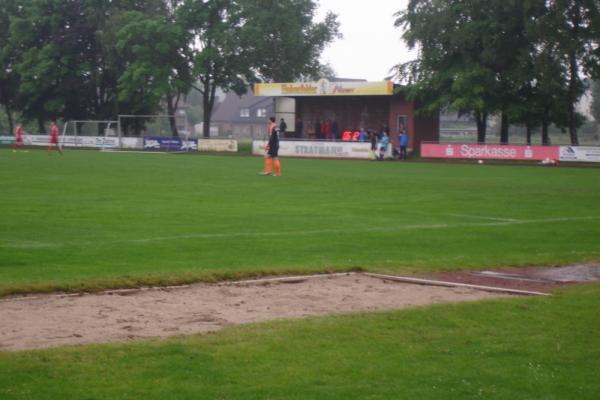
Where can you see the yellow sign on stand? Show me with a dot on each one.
(324, 88)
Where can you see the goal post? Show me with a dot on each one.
(157, 133)
(90, 133)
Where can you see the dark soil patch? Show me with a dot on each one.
(538, 279)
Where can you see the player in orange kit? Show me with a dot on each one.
(272, 150)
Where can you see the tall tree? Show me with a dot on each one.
(238, 42)
(286, 43)
(156, 68)
(541, 98)
(595, 106)
(56, 67)
(65, 58)
(9, 79)
(467, 54)
(483, 56)
(575, 26)
(218, 60)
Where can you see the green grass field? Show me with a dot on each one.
(533, 348)
(91, 220)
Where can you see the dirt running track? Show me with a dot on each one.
(41, 321)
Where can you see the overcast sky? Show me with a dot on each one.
(371, 44)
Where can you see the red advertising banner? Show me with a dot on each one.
(490, 152)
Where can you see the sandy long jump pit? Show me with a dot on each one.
(40, 321)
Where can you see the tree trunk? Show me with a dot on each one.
(41, 126)
(206, 117)
(171, 110)
(11, 122)
(545, 124)
(504, 128)
(528, 128)
(481, 119)
(208, 95)
(573, 70)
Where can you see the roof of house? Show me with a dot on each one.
(346, 80)
(229, 109)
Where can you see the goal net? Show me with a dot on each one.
(157, 133)
(89, 133)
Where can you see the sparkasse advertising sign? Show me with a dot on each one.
(489, 151)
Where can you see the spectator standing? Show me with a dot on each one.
(373, 152)
(311, 131)
(327, 129)
(396, 150)
(386, 129)
(282, 127)
(334, 130)
(362, 136)
(299, 128)
(383, 145)
(403, 140)
(318, 132)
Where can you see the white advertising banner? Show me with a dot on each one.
(73, 141)
(112, 142)
(229, 145)
(579, 153)
(7, 139)
(132, 143)
(315, 149)
(36, 140)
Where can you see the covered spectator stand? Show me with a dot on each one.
(352, 105)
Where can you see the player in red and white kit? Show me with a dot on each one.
(18, 138)
(54, 138)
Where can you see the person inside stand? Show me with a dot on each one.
(362, 136)
(334, 130)
(326, 128)
(299, 128)
(282, 127)
(311, 131)
(272, 150)
(386, 129)
(396, 146)
(318, 132)
(403, 140)
(383, 145)
(373, 145)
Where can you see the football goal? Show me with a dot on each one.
(90, 133)
(156, 133)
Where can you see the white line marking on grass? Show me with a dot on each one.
(399, 228)
(370, 229)
(28, 244)
(481, 217)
